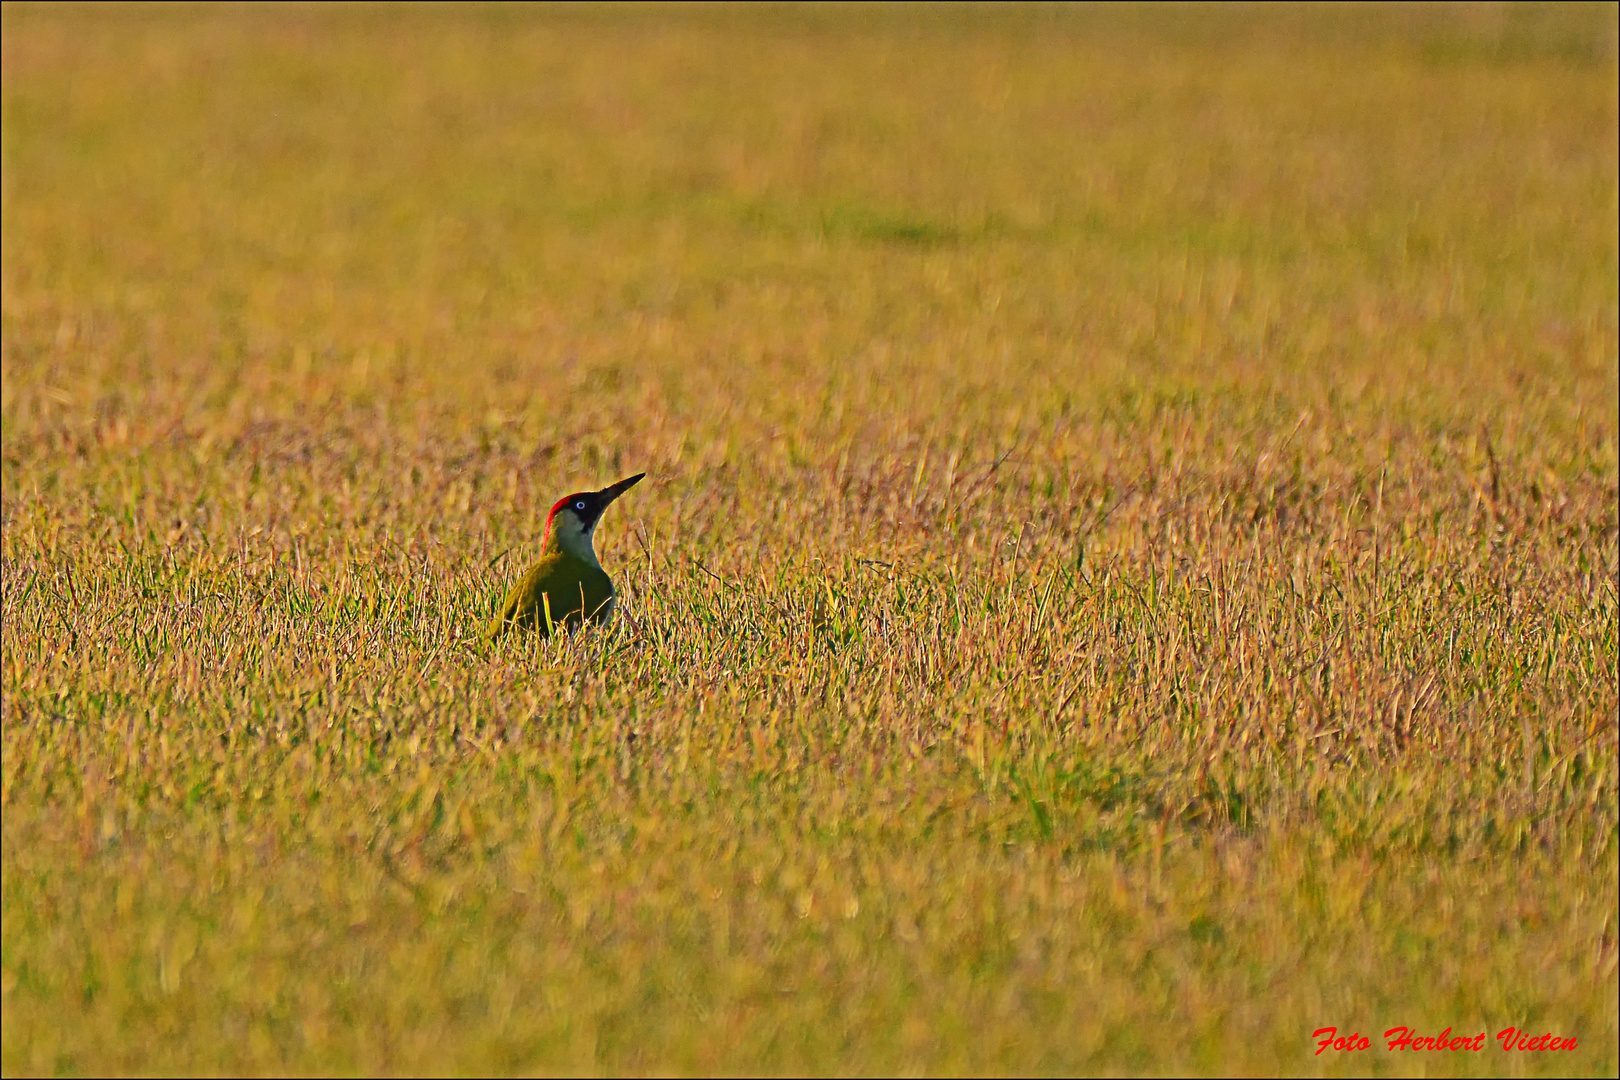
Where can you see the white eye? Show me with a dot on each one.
(579, 505)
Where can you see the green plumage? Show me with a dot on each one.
(576, 589)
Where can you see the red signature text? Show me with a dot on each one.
(1330, 1039)
(1519, 1039)
(1402, 1038)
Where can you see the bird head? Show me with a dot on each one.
(573, 518)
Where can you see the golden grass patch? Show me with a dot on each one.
(1126, 577)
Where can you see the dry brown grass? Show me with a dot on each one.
(1127, 575)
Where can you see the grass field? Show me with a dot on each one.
(1126, 578)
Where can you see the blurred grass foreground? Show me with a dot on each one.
(1127, 575)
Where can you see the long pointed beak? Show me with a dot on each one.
(613, 491)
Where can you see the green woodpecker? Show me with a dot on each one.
(568, 585)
